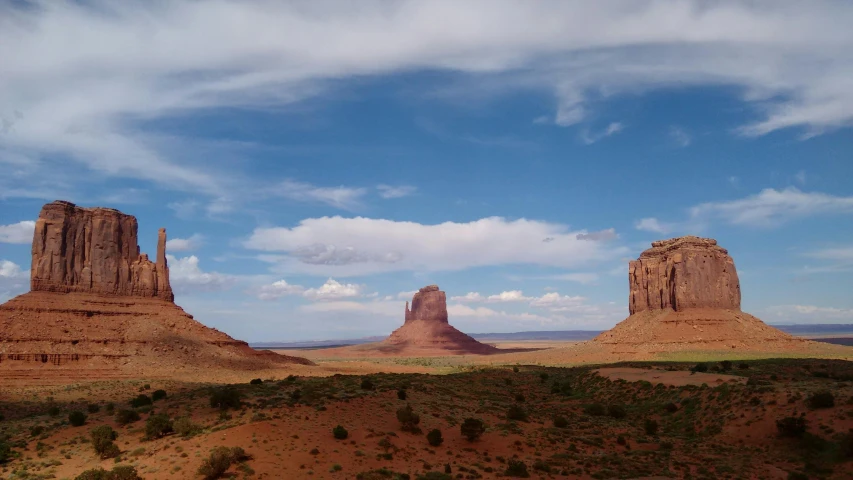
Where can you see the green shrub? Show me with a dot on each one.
(743, 366)
(93, 408)
(121, 472)
(102, 441)
(36, 430)
(700, 367)
(519, 398)
(671, 407)
(256, 381)
(543, 377)
(651, 426)
(219, 462)
(401, 394)
(616, 411)
(595, 409)
(434, 437)
(560, 422)
(158, 395)
(225, 398)
(516, 412)
(845, 446)
(472, 428)
(5, 451)
(158, 425)
(516, 468)
(53, 411)
(340, 433)
(408, 419)
(515, 369)
(792, 427)
(725, 365)
(366, 384)
(823, 399)
(110, 407)
(185, 427)
(141, 400)
(76, 419)
(124, 416)
(541, 466)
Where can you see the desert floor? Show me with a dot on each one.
(630, 420)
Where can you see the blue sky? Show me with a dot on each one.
(315, 163)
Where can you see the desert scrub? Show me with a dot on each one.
(408, 419)
(157, 426)
(434, 437)
(472, 428)
(158, 395)
(792, 427)
(185, 427)
(516, 468)
(124, 416)
(823, 399)
(225, 397)
(650, 426)
(560, 422)
(340, 432)
(220, 460)
(141, 400)
(102, 441)
(516, 412)
(121, 472)
(256, 381)
(76, 418)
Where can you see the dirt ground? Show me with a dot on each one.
(713, 425)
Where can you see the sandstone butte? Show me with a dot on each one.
(425, 332)
(684, 294)
(98, 307)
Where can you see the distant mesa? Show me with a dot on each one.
(98, 307)
(684, 294)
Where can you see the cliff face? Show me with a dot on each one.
(683, 273)
(430, 304)
(95, 250)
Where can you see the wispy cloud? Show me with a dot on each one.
(387, 191)
(652, 224)
(185, 244)
(589, 137)
(680, 137)
(345, 198)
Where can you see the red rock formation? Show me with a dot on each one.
(682, 273)
(100, 309)
(685, 295)
(426, 330)
(429, 303)
(95, 250)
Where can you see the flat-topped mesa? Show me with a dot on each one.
(95, 250)
(430, 304)
(682, 273)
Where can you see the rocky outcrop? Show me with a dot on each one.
(95, 250)
(429, 304)
(683, 273)
(427, 332)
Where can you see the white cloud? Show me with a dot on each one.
(653, 225)
(358, 246)
(807, 314)
(393, 309)
(387, 191)
(680, 137)
(407, 295)
(579, 277)
(186, 276)
(13, 280)
(279, 289)
(509, 296)
(589, 138)
(773, 207)
(470, 297)
(340, 197)
(768, 208)
(132, 62)
(185, 244)
(21, 232)
(842, 254)
(334, 290)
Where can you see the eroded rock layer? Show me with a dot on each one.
(426, 330)
(95, 250)
(683, 273)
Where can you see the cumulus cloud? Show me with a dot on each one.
(333, 290)
(88, 99)
(387, 191)
(589, 137)
(21, 232)
(600, 236)
(186, 276)
(279, 289)
(345, 198)
(185, 244)
(551, 301)
(13, 280)
(357, 246)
